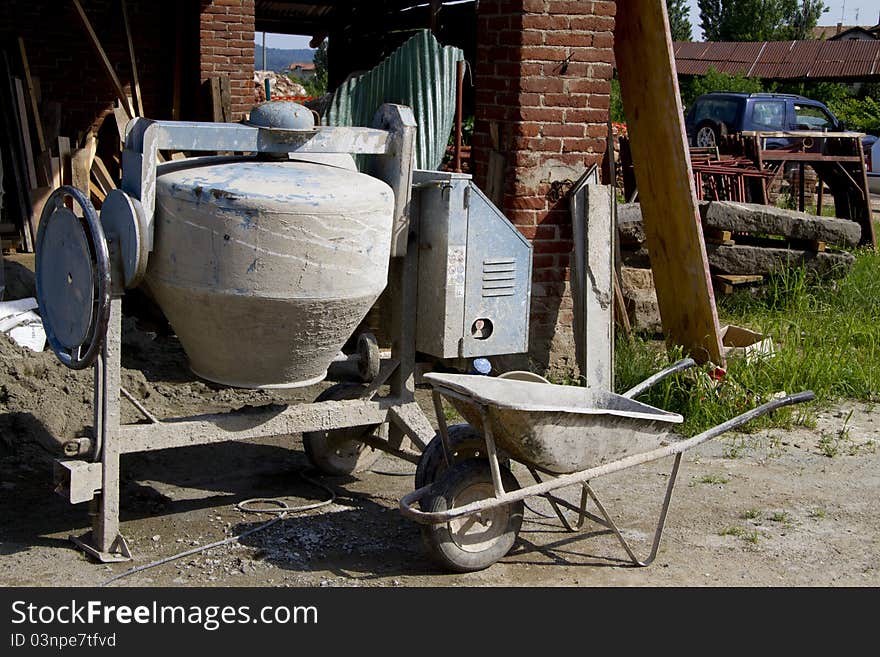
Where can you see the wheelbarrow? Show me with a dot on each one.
(471, 505)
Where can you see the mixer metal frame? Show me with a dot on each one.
(97, 480)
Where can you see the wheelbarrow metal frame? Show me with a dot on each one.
(583, 477)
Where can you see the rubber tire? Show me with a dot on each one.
(438, 538)
(719, 130)
(315, 443)
(466, 443)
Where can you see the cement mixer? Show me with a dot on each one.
(265, 262)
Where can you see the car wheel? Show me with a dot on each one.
(709, 133)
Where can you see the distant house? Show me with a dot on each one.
(841, 32)
(302, 70)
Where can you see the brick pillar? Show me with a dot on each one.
(226, 31)
(543, 76)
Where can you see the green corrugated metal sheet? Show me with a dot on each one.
(420, 74)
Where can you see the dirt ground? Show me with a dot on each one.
(785, 508)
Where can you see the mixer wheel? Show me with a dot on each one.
(338, 451)
(369, 360)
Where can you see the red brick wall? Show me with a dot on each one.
(226, 32)
(543, 76)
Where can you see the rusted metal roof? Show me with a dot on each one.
(782, 60)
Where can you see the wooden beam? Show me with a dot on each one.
(29, 82)
(108, 67)
(645, 65)
(102, 175)
(135, 83)
(25, 135)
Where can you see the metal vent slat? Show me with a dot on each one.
(499, 277)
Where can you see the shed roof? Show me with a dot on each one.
(782, 60)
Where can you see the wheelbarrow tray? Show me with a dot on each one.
(556, 429)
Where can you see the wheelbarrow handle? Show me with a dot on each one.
(748, 416)
(651, 381)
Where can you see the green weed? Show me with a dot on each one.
(827, 337)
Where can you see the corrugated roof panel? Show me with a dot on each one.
(746, 52)
(783, 59)
(420, 74)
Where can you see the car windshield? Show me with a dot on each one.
(769, 114)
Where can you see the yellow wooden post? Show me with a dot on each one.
(655, 119)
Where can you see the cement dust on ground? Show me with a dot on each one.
(779, 508)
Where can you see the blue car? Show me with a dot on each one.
(720, 113)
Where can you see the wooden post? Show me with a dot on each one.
(643, 52)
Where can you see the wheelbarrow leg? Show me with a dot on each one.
(581, 510)
(658, 533)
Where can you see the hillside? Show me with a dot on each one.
(278, 59)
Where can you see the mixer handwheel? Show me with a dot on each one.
(73, 278)
(338, 451)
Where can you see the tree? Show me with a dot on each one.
(679, 20)
(759, 20)
(321, 65)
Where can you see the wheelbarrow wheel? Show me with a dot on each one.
(339, 451)
(466, 442)
(477, 541)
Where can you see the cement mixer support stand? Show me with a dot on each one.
(118, 262)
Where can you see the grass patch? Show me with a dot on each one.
(827, 337)
(714, 480)
(748, 535)
(751, 514)
(780, 516)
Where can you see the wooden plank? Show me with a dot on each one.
(102, 175)
(785, 156)
(803, 133)
(122, 120)
(43, 164)
(14, 141)
(29, 82)
(226, 97)
(26, 135)
(108, 67)
(96, 191)
(64, 159)
(81, 166)
(55, 168)
(739, 279)
(216, 103)
(727, 283)
(135, 83)
(649, 87)
(39, 196)
(715, 236)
